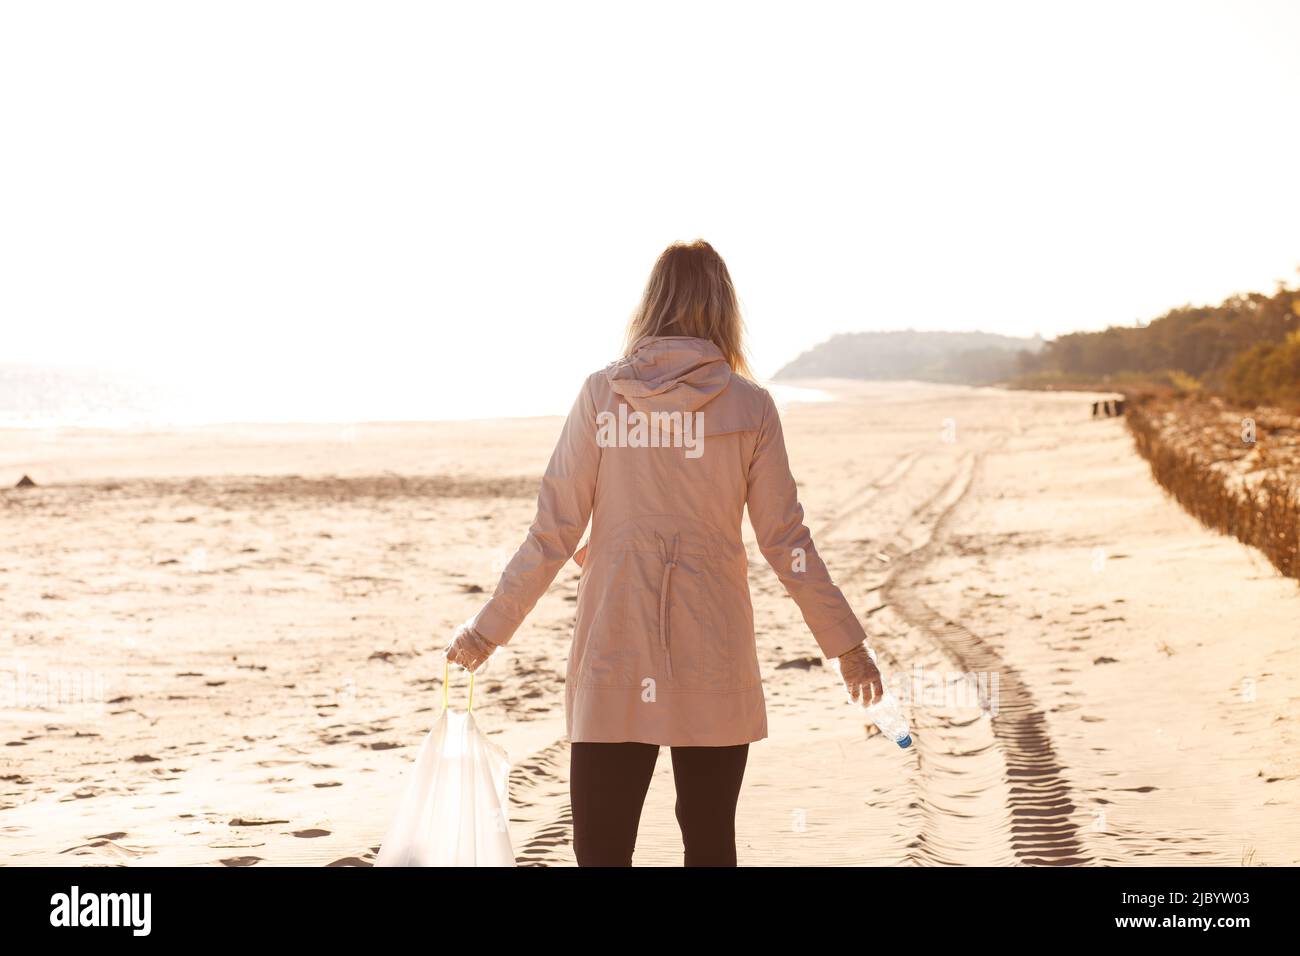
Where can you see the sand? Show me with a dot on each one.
(245, 622)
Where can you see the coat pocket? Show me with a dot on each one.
(610, 655)
(703, 656)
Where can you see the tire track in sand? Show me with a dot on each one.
(539, 807)
(1042, 831)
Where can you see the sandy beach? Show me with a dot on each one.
(258, 612)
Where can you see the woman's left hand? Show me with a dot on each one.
(861, 676)
(468, 648)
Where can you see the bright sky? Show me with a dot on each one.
(472, 194)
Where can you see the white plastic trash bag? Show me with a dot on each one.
(454, 811)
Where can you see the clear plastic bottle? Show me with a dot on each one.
(887, 714)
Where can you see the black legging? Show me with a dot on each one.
(608, 784)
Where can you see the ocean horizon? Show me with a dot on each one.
(46, 397)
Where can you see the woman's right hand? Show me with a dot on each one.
(861, 676)
(468, 648)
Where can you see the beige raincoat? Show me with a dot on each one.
(662, 451)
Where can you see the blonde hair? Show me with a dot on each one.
(689, 292)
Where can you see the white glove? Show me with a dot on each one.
(468, 648)
(861, 676)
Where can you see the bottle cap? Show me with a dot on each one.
(906, 741)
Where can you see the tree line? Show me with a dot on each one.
(1247, 349)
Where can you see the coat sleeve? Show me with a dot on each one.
(563, 508)
(787, 545)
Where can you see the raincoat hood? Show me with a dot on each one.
(670, 373)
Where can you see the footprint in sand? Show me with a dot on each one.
(241, 861)
(105, 844)
(253, 822)
(802, 663)
(310, 834)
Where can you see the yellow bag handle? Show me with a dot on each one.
(446, 676)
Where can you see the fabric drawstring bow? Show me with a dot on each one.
(669, 564)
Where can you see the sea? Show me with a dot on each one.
(45, 397)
